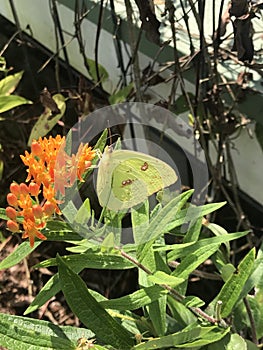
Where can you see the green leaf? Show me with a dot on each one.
(250, 345)
(103, 74)
(256, 307)
(191, 301)
(218, 231)
(9, 83)
(157, 309)
(60, 231)
(11, 101)
(161, 220)
(180, 312)
(101, 261)
(226, 271)
(89, 311)
(192, 261)
(187, 338)
(160, 277)
(140, 220)
(236, 343)
(45, 122)
(26, 333)
(171, 340)
(22, 251)
(184, 249)
(3, 215)
(51, 288)
(255, 280)
(84, 213)
(192, 213)
(194, 231)
(121, 95)
(135, 300)
(231, 290)
(69, 210)
(77, 263)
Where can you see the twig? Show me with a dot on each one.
(177, 296)
(78, 33)
(251, 320)
(99, 26)
(133, 44)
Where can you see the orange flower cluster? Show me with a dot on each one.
(50, 169)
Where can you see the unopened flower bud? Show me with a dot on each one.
(12, 226)
(37, 211)
(12, 199)
(49, 208)
(15, 188)
(23, 188)
(33, 189)
(11, 213)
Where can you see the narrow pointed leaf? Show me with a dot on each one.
(135, 300)
(161, 277)
(91, 261)
(158, 224)
(26, 333)
(77, 263)
(188, 338)
(184, 249)
(121, 95)
(89, 311)
(84, 213)
(192, 261)
(232, 289)
(193, 213)
(22, 251)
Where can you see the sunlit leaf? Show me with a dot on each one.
(231, 290)
(136, 300)
(160, 277)
(9, 83)
(27, 333)
(11, 101)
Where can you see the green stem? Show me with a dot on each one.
(177, 296)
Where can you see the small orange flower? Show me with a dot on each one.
(84, 157)
(50, 170)
(31, 231)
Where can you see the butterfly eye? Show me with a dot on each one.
(144, 167)
(126, 182)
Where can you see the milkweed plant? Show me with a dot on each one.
(159, 314)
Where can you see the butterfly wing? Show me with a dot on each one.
(127, 178)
